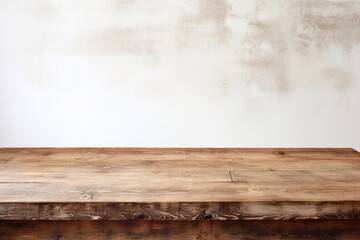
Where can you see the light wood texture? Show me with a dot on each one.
(181, 230)
(179, 184)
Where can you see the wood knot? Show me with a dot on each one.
(205, 215)
(88, 195)
(140, 216)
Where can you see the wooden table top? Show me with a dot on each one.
(179, 183)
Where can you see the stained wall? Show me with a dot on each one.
(192, 73)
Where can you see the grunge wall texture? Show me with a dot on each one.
(189, 73)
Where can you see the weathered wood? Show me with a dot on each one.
(181, 230)
(179, 184)
(180, 211)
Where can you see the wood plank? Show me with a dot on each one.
(297, 176)
(258, 178)
(142, 191)
(180, 211)
(181, 230)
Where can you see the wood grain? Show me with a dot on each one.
(180, 230)
(179, 184)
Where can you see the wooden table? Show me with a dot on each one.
(162, 193)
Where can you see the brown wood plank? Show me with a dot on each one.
(281, 210)
(268, 180)
(181, 230)
(297, 176)
(182, 192)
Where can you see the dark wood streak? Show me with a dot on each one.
(181, 230)
(231, 176)
(180, 211)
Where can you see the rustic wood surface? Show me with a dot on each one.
(179, 184)
(181, 230)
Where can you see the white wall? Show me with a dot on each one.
(187, 73)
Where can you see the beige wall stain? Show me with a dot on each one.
(268, 42)
(263, 49)
(215, 12)
(116, 41)
(206, 25)
(324, 27)
(280, 32)
(321, 23)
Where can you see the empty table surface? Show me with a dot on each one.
(179, 183)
